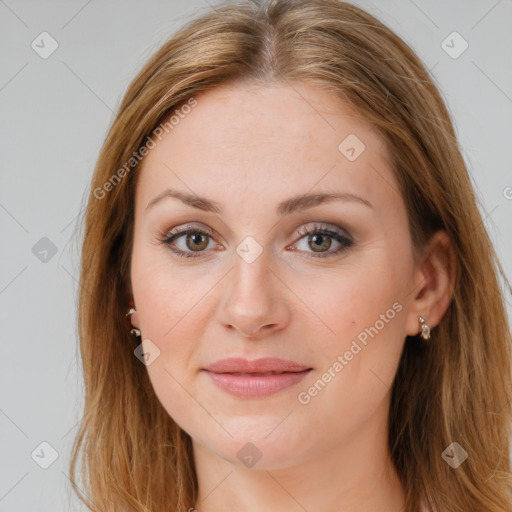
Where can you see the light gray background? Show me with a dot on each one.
(55, 113)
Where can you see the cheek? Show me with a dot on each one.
(167, 296)
(173, 308)
(347, 301)
(362, 308)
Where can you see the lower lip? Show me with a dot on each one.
(254, 386)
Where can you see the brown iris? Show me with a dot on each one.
(325, 245)
(194, 242)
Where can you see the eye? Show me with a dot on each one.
(195, 240)
(319, 239)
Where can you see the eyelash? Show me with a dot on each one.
(346, 242)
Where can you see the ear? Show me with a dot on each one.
(434, 280)
(134, 317)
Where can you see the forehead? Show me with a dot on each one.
(245, 141)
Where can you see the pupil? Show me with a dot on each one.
(196, 241)
(320, 240)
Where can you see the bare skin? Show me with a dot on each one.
(248, 148)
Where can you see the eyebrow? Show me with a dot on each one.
(286, 207)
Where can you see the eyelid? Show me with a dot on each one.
(182, 229)
(307, 229)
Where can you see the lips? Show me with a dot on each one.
(255, 379)
(256, 373)
(267, 365)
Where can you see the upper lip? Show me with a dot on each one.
(263, 365)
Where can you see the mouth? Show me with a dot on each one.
(254, 374)
(256, 366)
(253, 385)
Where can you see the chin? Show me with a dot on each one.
(257, 442)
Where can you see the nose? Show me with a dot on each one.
(254, 300)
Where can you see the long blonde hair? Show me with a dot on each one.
(133, 456)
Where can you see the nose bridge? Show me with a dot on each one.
(250, 286)
(251, 274)
(252, 301)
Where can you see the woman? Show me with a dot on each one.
(288, 297)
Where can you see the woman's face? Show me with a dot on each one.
(334, 299)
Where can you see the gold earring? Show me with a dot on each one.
(425, 329)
